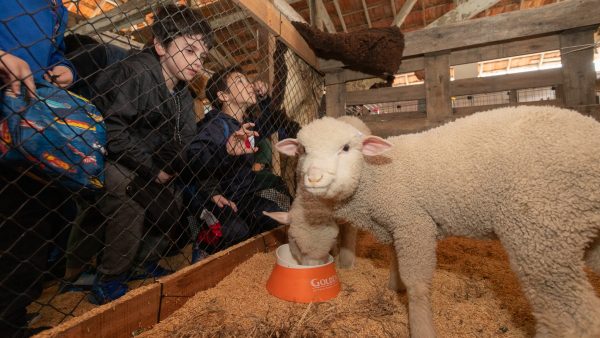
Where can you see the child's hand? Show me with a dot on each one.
(236, 144)
(14, 70)
(221, 201)
(60, 75)
(260, 88)
(163, 177)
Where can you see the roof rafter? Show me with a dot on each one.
(340, 16)
(401, 16)
(129, 13)
(364, 4)
(288, 11)
(323, 15)
(464, 10)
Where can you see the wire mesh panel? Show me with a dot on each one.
(536, 94)
(480, 99)
(136, 138)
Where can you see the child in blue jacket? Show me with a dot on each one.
(31, 49)
(224, 147)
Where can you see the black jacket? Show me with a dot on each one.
(148, 127)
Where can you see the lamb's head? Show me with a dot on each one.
(331, 156)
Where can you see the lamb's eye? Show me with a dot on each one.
(346, 147)
(300, 150)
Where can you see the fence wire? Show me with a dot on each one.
(132, 158)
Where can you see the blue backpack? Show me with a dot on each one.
(60, 135)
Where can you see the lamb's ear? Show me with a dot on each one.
(289, 146)
(280, 216)
(375, 145)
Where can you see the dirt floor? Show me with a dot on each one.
(475, 294)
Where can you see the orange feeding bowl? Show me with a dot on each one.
(302, 284)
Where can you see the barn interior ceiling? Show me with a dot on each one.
(239, 44)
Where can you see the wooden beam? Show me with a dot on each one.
(383, 95)
(497, 29)
(491, 84)
(340, 16)
(137, 310)
(98, 9)
(269, 16)
(335, 100)
(542, 78)
(324, 16)
(315, 17)
(531, 22)
(364, 5)
(129, 13)
(288, 11)
(437, 86)
(463, 11)
(491, 52)
(579, 75)
(393, 5)
(404, 11)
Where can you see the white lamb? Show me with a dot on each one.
(529, 176)
(313, 233)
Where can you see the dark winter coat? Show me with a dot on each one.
(148, 127)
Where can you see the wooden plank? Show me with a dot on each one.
(185, 283)
(512, 25)
(579, 75)
(464, 11)
(138, 309)
(268, 15)
(437, 86)
(504, 50)
(383, 95)
(505, 27)
(404, 11)
(459, 57)
(335, 100)
(480, 85)
(542, 78)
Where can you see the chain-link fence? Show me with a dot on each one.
(126, 149)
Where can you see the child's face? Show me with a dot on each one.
(184, 57)
(241, 90)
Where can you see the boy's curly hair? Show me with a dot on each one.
(172, 21)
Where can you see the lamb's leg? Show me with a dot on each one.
(592, 257)
(294, 249)
(415, 251)
(551, 273)
(394, 281)
(347, 242)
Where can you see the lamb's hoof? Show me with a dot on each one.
(345, 265)
(345, 260)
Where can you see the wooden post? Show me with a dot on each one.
(513, 96)
(335, 99)
(437, 86)
(578, 72)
